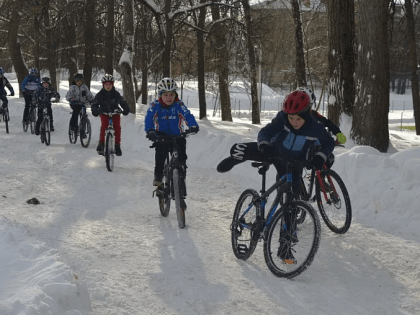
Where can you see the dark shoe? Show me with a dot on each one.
(157, 181)
(227, 164)
(118, 150)
(52, 128)
(36, 132)
(100, 148)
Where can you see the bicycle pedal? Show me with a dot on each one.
(158, 192)
(242, 249)
(183, 205)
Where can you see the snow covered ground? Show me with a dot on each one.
(97, 243)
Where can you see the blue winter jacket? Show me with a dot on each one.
(31, 83)
(172, 119)
(296, 143)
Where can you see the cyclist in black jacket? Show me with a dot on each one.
(5, 83)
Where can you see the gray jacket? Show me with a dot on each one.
(79, 94)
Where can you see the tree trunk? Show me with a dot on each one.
(144, 57)
(252, 63)
(300, 56)
(222, 68)
(370, 119)
(89, 33)
(36, 10)
(411, 38)
(109, 37)
(14, 48)
(166, 57)
(51, 52)
(201, 63)
(127, 56)
(341, 59)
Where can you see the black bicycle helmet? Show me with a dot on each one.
(45, 79)
(78, 77)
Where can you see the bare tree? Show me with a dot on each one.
(370, 119)
(341, 58)
(411, 38)
(89, 39)
(109, 37)
(300, 56)
(127, 56)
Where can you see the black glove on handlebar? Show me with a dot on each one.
(318, 162)
(152, 135)
(193, 129)
(268, 150)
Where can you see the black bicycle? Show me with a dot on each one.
(84, 130)
(173, 182)
(44, 128)
(291, 234)
(31, 120)
(4, 115)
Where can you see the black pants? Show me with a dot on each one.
(249, 152)
(4, 100)
(28, 101)
(74, 117)
(161, 151)
(41, 116)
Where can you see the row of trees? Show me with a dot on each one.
(214, 41)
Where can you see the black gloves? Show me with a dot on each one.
(268, 150)
(95, 112)
(126, 111)
(317, 162)
(194, 129)
(151, 135)
(12, 93)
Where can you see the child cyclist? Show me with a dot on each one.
(293, 132)
(42, 97)
(168, 115)
(77, 95)
(29, 85)
(4, 83)
(107, 101)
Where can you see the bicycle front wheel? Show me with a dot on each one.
(165, 196)
(85, 132)
(243, 225)
(179, 200)
(291, 243)
(6, 118)
(109, 152)
(46, 129)
(334, 202)
(32, 120)
(72, 135)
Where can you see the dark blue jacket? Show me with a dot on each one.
(172, 119)
(44, 95)
(31, 83)
(5, 83)
(296, 143)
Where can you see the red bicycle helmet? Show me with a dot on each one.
(296, 103)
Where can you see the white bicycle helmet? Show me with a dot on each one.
(167, 85)
(310, 94)
(107, 78)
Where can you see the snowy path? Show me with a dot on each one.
(108, 229)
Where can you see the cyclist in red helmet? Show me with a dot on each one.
(293, 132)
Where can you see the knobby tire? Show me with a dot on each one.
(47, 134)
(165, 196)
(109, 152)
(6, 118)
(86, 128)
(305, 242)
(336, 209)
(72, 135)
(180, 211)
(243, 226)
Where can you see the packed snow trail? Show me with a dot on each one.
(108, 229)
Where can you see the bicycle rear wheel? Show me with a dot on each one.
(46, 130)
(334, 202)
(179, 200)
(109, 152)
(164, 195)
(85, 132)
(290, 244)
(72, 135)
(6, 118)
(244, 224)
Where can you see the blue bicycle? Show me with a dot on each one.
(291, 232)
